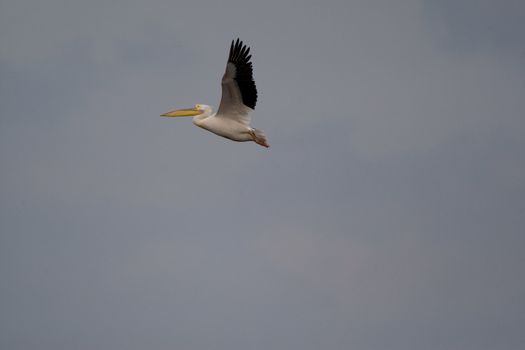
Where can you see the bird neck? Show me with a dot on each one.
(198, 119)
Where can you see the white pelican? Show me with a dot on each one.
(239, 96)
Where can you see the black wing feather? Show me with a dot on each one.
(244, 72)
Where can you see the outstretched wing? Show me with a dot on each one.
(239, 94)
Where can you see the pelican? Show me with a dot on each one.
(239, 96)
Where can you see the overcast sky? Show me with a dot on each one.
(389, 212)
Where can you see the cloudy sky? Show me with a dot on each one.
(388, 213)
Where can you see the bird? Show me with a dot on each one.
(238, 100)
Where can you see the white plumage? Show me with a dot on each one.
(239, 96)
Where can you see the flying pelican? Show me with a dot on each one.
(239, 96)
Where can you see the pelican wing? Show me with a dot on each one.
(239, 94)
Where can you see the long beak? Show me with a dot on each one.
(186, 112)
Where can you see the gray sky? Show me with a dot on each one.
(388, 213)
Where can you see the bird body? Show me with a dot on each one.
(227, 128)
(239, 96)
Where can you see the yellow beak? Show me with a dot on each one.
(186, 112)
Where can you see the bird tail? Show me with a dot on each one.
(260, 138)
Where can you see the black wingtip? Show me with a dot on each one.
(239, 51)
(239, 56)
